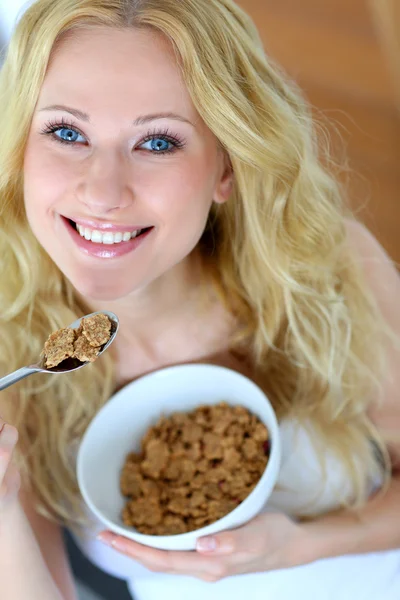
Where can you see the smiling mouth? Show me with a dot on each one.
(107, 237)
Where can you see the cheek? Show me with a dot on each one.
(45, 180)
(184, 194)
(183, 207)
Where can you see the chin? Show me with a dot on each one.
(101, 289)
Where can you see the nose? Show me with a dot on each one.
(105, 184)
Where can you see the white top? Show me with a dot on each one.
(302, 489)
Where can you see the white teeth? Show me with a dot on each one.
(108, 238)
(98, 237)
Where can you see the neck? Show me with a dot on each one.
(166, 299)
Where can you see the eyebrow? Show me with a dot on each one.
(138, 121)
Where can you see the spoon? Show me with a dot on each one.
(68, 365)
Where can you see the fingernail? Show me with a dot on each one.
(115, 543)
(208, 544)
(104, 539)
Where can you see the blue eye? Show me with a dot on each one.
(68, 135)
(64, 133)
(156, 142)
(158, 145)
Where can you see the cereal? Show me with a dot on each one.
(81, 343)
(83, 351)
(193, 469)
(212, 446)
(59, 347)
(156, 458)
(250, 448)
(97, 329)
(231, 458)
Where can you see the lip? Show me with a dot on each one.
(101, 226)
(104, 251)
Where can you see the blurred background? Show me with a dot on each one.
(345, 55)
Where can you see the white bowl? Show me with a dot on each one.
(120, 425)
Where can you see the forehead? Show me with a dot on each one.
(134, 68)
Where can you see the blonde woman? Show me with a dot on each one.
(162, 121)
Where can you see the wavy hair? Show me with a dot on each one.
(277, 250)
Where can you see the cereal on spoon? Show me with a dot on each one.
(83, 344)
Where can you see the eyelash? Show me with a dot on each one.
(164, 134)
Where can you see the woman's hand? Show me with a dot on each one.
(9, 476)
(268, 542)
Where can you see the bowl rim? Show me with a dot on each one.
(221, 524)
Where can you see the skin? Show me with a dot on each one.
(109, 175)
(111, 180)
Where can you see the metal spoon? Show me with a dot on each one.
(68, 365)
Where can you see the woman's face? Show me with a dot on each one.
(120, 171)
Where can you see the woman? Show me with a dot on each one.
(162, 121)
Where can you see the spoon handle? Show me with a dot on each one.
(12, 378)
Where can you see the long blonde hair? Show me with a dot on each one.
(278, 247)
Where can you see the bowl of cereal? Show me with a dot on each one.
(178, 454)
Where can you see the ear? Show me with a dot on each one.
(224, 186)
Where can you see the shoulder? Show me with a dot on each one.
(365, 243)
(379, 270)
(383, 280)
